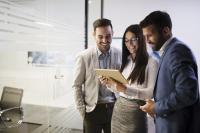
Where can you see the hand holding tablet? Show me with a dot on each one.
(112, 73)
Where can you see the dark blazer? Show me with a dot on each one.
(176, 90)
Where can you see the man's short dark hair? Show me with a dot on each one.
(159, 19)
(101, 23)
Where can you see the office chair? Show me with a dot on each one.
(11, 112)
(11, 117)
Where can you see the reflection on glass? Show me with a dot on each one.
(47, 58)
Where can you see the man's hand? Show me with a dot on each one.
(149, 107)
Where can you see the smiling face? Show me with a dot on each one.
(103, 37)
(131, 42)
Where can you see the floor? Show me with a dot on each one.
(23, 128)
(43, 119)
(59, 117)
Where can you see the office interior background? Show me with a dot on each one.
(39, 40)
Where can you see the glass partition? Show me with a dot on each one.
(39, 40)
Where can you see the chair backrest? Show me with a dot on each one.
(11, 97)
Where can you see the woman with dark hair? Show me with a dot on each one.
(140, 70)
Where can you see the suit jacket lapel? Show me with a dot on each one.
(94, 58)
(95, 64)
(113, 59)
(160, 62)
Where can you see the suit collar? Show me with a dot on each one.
(172, 40)
(162, 49)
(170, 43)
(99, 53)
(94, 57)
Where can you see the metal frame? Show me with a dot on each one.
(10, 119)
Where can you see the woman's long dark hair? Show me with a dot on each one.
(141, 60)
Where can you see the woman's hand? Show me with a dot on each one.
(120, 87)
(106, 81)
(112, 84)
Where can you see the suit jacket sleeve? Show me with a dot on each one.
(78, 83)
(184, 82)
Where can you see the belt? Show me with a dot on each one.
(138, 101)
(106, 105)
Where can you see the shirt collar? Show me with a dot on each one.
(162, 49)
(99, 53)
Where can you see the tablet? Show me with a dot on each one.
(112, 73)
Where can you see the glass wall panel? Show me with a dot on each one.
(39, 40)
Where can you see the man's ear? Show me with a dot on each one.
(166, 31)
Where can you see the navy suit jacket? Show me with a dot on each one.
(176, 90)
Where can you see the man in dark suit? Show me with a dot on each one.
(176, 92)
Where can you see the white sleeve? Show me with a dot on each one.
(147, 92)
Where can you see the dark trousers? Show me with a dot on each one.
(99, 119)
